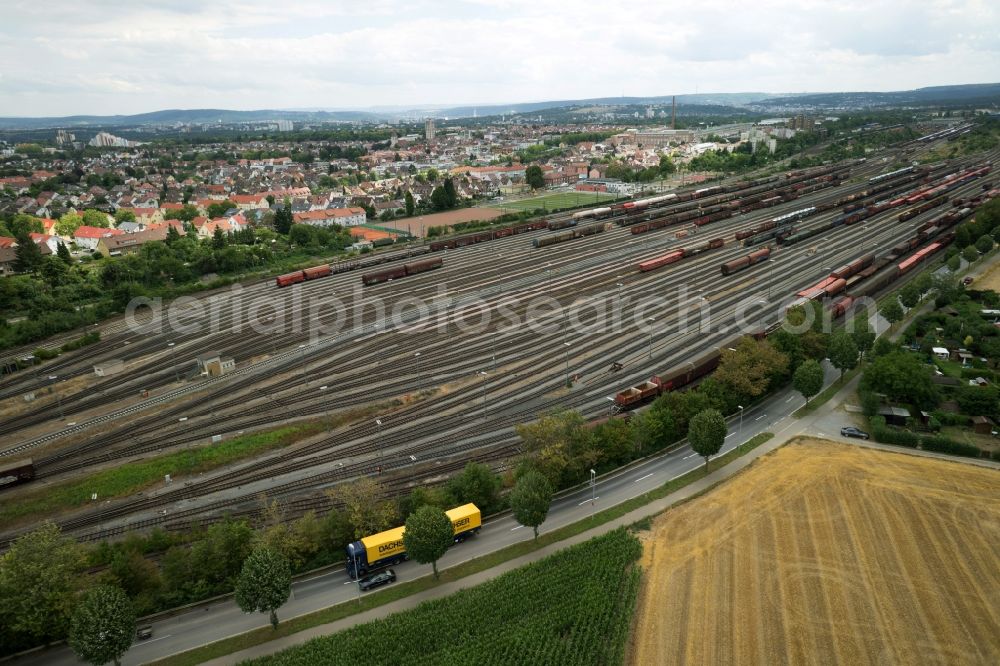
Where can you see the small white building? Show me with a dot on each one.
(941, 353)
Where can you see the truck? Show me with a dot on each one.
(387, 548)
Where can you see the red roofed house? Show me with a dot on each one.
(88, 237)
(345, 217)
(7, 241)
(53, 242)
(249, 201)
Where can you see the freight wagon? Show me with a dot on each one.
(13, 473)
(577, 232)
(746, 261)
(387, 548)
(397, 272)
(301, 276)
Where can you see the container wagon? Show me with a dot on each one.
(746, 261)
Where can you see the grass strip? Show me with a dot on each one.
(402, 590)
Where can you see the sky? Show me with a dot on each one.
(68, 57)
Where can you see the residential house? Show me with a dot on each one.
(87, 237)
(249, 201)
(346, 217)
(131, 243)
(53, 242)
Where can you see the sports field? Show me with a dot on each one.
(556, 201)
(827, 553)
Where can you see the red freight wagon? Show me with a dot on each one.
(384, 276)
(425, 265)
(289, 278)
(317, 272)
(653, 264)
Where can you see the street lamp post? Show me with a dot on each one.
(611, 405)
(483, 374)
(566, 354)
(53, 378)
(740, 435)
(416, 359)
(770, 277)
(176, 377)
(378, 443)
(651, 321)
(494, 352)
(593, 490)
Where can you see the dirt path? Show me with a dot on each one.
(828, 553)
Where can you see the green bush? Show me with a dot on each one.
(43, 354)
(946, 445)
(895, 437)
(950, 419)
(972, 373)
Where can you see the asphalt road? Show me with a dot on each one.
(214, 622)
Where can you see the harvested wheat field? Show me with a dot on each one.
(827, 553)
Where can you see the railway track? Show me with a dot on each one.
(418, 422)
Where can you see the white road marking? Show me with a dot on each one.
(147, 642)
(760, 417)
(516, 528)
(790, 398)
(587, 500)
(730, 435)
(690, 456)
(644, 477)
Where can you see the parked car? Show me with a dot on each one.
(380, 578)
(851, 431)
(967, 280)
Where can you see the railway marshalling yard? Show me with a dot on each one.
(827, 553)
(462, 391)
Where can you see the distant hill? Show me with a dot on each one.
(986, 94)
(186, 116)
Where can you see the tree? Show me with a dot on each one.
(39, 577)
(901, 377)
(451, 196)
(977, 400)
(808, 379)
(68, 224)
(62, 251)
(477, 484)
(667, 166)
(432, 175)
(364, 506)
(123, 215)
(283, 218)
(22, 225)
(409, 203)
(427, 536)
(27, 256)
(751, 368)
(533, 177)
(103, 625)
(970, 254)
(863, 335)
(220, 208)
(843, 352)
(954, 263)
(264, 584)
(891, 311)
(707, 433)
(95, 218)
(984, 244)
(439, 200)
(173, 235)
(909, 295)
(530, 499)
(218, 239)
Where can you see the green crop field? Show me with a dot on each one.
(574, 607)
(557, 201)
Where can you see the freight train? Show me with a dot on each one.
(405, 270)
(676, 255)
(14, 473)
(386, 548)
(576, 232)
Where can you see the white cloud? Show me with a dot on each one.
(96, 56)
